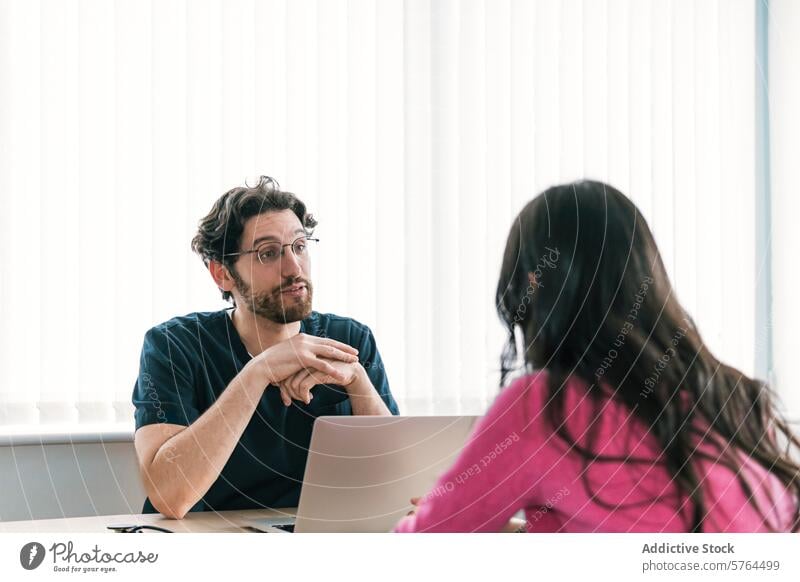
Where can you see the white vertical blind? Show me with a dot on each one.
(414, 129)
(784, 97)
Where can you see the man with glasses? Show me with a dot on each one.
(225, 400)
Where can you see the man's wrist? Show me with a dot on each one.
(258, 371)
(364, 397)
(361, 383)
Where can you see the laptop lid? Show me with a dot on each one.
(362, 470)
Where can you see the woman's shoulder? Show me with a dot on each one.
(533, 379)
(537, 384)
(525, 394)
(531, 394)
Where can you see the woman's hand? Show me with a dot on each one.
(416, 502)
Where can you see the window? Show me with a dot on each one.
(421, 126)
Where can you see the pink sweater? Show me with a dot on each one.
(514, 461)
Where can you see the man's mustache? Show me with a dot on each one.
(291, 283)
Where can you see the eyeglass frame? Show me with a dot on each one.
(137, 528)
(282, 252)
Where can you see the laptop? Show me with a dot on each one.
(363, 470)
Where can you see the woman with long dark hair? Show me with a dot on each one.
(621, 419)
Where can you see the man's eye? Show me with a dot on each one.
(268, 254)
(299, 248)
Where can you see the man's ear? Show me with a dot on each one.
(221, 276)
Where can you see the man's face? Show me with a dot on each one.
(279, 291)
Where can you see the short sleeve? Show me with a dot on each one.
(371, 359)
(164, 391)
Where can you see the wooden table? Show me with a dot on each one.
(197, 522)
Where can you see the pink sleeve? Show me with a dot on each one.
(491, 479)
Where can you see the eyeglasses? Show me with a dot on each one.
(136, 528)
(271, 252)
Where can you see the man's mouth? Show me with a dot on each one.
(294, 290)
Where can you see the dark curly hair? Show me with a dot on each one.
(220, 231)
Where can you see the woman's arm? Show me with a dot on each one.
(492, 478)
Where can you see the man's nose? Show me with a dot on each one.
(290, 264)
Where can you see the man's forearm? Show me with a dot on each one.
(186, 465)
(364, 399)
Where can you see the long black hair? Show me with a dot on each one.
(583, 282)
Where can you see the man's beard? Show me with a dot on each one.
(272, 305)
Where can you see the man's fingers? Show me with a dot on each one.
(316, 377)
(311, 380)
(340, 346)
(328, 369)
(321, 378)
(307, 379)
(314, 342)
(296, 387)
(303, 394)
(296, 381)
(334, 353)
(305, 382)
